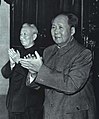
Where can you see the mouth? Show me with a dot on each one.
(22, 42)
(57, 37)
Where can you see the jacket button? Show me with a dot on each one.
(78, 108)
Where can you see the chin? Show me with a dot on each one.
(61, 44)
(23, 44)
(58, 42)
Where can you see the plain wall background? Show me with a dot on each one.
(4, 42)
(4, 45)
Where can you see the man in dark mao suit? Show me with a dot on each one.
(66, 73)
(23, 102)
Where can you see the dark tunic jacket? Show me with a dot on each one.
(66, 75)
(20, 96)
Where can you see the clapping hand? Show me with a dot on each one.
(32, 62)
(14, 56)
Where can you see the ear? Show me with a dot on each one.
(72, 31)
(34, 36)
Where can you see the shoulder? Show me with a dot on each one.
(49, 49)
(84, 54)
(80, 52)
(81, 48)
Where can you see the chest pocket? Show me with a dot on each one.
(65, 61)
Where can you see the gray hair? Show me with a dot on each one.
(32, 26)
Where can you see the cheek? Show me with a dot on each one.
(52, 33)
(27, 42)
(66, 33)
(21, 37)
(63, 34)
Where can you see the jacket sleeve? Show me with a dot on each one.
(72, 79)
(6, 70)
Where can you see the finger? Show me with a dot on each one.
(29, 55)
(23, 61)
(24, 57)
(37, 55)
(32, 71)
(32, 55)
(25, 66)
(13, 51)
(12, 48)
(26, 60)
(18, 52)
(9, 51)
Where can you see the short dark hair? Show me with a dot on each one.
(72, 19)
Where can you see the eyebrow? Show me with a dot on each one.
(58, 24)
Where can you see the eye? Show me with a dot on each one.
(53, 27)
(21, 34)
(25, 34)
(60, 27)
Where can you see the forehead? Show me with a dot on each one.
(26, 29)
(61, 19)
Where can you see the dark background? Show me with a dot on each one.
(41, 12)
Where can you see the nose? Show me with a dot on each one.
(56, 30)
(21, 38)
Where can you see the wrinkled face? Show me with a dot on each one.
(60, 30)
(26, 37)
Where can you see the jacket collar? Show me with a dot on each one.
(66, 48)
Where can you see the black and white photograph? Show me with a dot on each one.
(49, 65)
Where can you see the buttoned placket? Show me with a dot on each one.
(52, 104)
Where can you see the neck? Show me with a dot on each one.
(64, 44)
